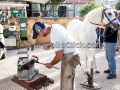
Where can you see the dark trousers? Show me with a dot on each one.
(99, 40)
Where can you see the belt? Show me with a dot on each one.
(75, 55)
(111, 42)
(70, 53)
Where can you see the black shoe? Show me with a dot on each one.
(117, 49)
(101, 46)
(111, 76)
(107, 71)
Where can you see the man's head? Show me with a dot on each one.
(39, 28)
(116, 13)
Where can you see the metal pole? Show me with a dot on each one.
(74, 9)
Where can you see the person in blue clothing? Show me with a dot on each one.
(99, 40)
(110, 43)
(118, 41)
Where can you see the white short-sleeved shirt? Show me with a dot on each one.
(61, 39)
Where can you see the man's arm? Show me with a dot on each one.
(58, 57)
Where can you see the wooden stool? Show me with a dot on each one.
(36, 83)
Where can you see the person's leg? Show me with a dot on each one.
(66, 82)
(118, 41)
(101, 37)
(67, 72)
(106, 52)
(111, 55)
(97, 40)
(112, 60)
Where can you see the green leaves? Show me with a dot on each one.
(117, 6)
(88, 7)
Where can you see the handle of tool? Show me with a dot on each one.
(42, 63)
(80, 64)
(52, 67)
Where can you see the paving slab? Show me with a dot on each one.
(8, 68)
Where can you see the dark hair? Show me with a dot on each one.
(116, 13)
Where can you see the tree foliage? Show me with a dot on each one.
(117, 6)
(88, 7)
(43, 6)
(57, 3)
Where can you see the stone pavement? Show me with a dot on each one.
(8, 68)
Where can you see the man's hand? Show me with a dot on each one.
(48, 65)
(35, 57)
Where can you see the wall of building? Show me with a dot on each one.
(71, 11)
(39, 40)
(79, 1)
